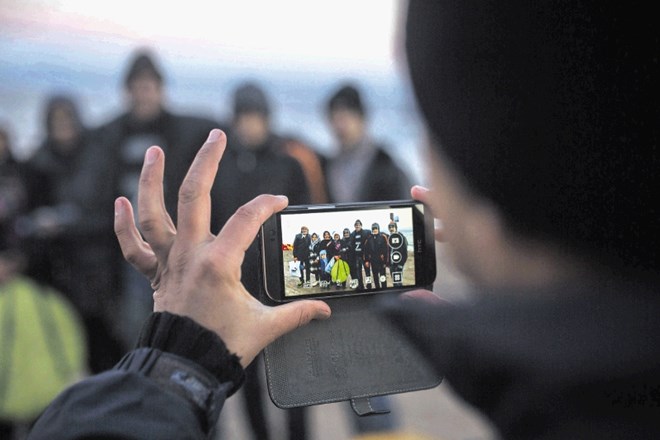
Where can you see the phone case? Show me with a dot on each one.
(352, 356)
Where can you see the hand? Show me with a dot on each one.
(424, 195)
(193, 272)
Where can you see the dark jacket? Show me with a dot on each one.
(384, 180)
(575, 361)
(172, 386)
(376, 249)
(245, 174)
(301, 247)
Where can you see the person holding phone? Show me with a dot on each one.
(542, 149)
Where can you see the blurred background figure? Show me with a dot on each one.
(13, 202)
(58, 238)
(255, 163)
(362, 170)
(114, 163)
(42, 348)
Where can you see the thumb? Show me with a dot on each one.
(290, 316)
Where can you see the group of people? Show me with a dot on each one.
(54, 207)
(358, 259)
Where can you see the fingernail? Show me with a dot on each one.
(118, 207)
(152, 154)
(214, 135)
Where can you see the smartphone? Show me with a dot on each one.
(326, 251)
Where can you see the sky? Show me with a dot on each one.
(285, 33)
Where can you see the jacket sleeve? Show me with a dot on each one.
(172, 385)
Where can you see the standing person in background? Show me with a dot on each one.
(42, 348)
(113, 164)
(254, 164)
(59, 239)
(376, 256)
(362, 170)
(313, 262)
(301, 244)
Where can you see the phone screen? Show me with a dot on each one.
(328, 252)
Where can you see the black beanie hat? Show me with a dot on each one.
(546, 108)
(142, 65)
(347, 97)
(250, 98)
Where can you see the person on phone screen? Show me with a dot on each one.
(301, 244)
(356, 253)
(313, 259)
(376, 257)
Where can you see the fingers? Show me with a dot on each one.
(194, 210)
(421, 193)
(241, 229)
(424, 195)
(155, 222)
(136, 251)
(290, 316)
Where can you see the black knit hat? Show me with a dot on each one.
(142, 64)
(250, 98)
(546, 109)
(347, 97)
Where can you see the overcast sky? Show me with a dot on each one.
(291, 33)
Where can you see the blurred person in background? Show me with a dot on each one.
(59, 239)
(255, 163)
(361, 170)
(113, 165)
(42, 341)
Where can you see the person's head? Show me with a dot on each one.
(336, 236)
(347, 232)
(304, 230)
(346, 114)
(358, 225)
(544, 132)
(323, 254)
(392, 227)
(315, 236)
(326, 235)
(251, 121)
(144, 87)
(375, 228)
(63, 124)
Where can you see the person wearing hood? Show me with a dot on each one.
(62, 244)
